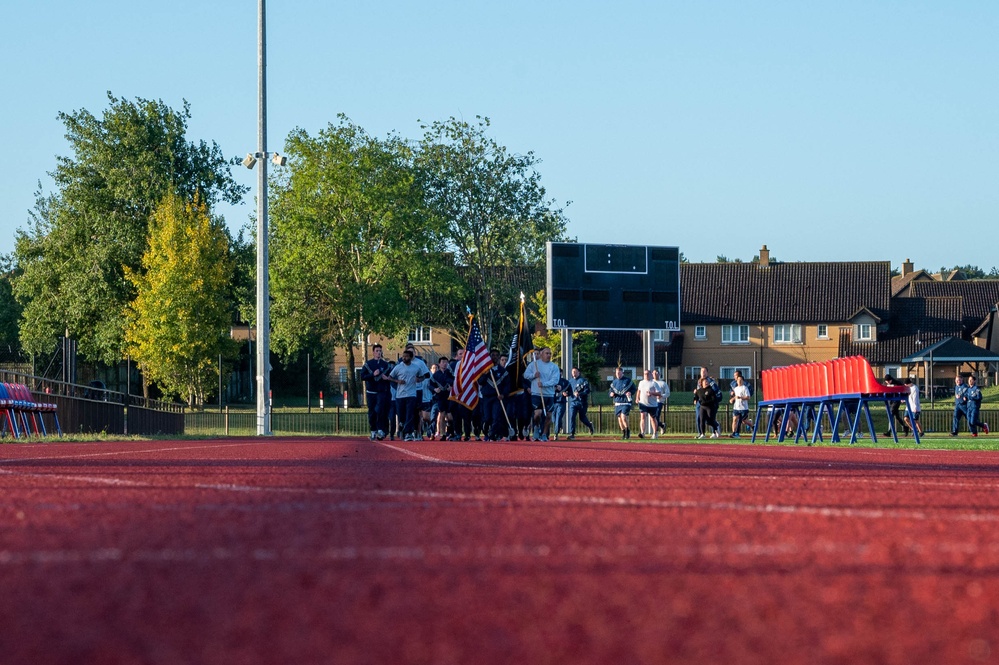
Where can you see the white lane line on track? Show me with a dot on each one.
(737, 555)
(102, 480)
(712, 455)
(614, 502)
(556, 500)
(563, 470)
(113, 453)
(83, 479)
(624, 502)
(730, 450)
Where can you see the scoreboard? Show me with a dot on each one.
(613, 287)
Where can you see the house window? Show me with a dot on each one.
(691, 373)
(735, 334)
(728, 373)
(865, 331)
(420, 335)
(343, 374)
(660, 336)
(895, 371)
(700, 332)
(823, 331)
(788, 333)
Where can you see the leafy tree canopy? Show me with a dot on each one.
(495, 210)
(178, 323)
(10, 309)
(972, 272)
(351, 242)
(82, 237)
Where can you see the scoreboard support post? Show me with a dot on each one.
(566, 368)
(648, 351)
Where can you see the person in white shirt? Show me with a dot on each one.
(407, 376)
(543, 376)
(663, 388)
(740, 404)
(912, 407)
(648, 404)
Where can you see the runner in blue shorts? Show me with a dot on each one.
(622, 391)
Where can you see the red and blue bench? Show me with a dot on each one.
(841, 389)
(21, 414)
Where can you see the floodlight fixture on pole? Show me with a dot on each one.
(250, 160)
(279, 160)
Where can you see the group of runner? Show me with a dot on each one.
(416, 402)
(413, 400)
(409, 398)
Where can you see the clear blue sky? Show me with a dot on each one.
(829, 131)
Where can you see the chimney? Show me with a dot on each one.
(907, 267)
(764, 257)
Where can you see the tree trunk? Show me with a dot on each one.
(351, 378)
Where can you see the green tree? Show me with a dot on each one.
(494, 208)
(178, 323)
(350, 242)
(10, 309)
(972, 272)
(82, 238)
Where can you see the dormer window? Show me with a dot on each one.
(865, 332)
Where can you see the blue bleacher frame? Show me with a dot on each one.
(833, 407)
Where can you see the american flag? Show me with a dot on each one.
(474, 364)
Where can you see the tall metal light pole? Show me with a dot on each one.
(263, 290)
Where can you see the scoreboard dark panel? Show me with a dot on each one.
(613, 287)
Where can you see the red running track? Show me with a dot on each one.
(346, 551)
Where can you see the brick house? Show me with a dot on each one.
(754, 316)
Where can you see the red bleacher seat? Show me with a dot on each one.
(841, 376)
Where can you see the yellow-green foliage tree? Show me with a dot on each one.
(179, 323)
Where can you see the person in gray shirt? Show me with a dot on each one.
(407, 376)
